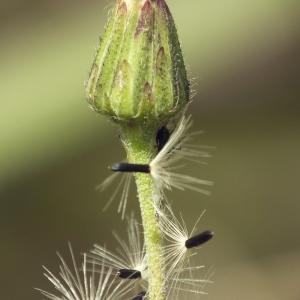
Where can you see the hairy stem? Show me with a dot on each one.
(141, 147)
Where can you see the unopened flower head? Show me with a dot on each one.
(138, 72)
(84, 284)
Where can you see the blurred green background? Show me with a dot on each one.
(244, 58)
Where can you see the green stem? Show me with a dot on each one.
(141, 147)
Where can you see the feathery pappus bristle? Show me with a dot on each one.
(171, 149)
(176, 234)
(122, 188)
(162, 137)
(129, 263)
(176, 148)
(84, 284)
(185, 283)
(177, 252)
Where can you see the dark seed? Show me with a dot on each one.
(125, 167)
(129, 274)
(199, 239)
(139, 296)
(162, 137)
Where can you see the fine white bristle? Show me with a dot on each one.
(175, 233)
(122, 189)
(130, 255)
(83, 284)
(192, 284)
(163, 168)
(180, 275)
(166, 161)
(184, 280)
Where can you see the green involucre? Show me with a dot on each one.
(138, 72)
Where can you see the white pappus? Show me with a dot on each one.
(181, 275)
(83, 284)
(163, 167)
(129, 262)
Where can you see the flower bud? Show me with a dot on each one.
(138, 72)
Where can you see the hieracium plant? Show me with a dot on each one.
(139, 80)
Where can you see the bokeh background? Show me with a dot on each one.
(244, 58)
